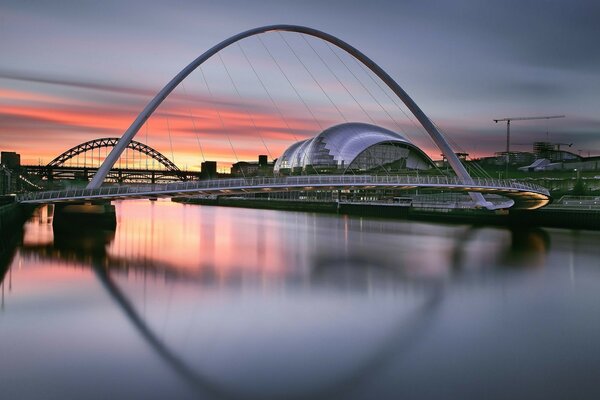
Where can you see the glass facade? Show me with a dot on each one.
(352, 147)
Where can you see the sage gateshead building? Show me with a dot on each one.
(352, 148)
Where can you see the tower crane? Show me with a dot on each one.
(562, 144)
(508, 131)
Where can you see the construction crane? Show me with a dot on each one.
(562, 144)
(508, 131)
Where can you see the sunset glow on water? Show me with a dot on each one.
(198, 301)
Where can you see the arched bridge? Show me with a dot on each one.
(112, 142)
(524, 195)
(425, 122)
(161, 170)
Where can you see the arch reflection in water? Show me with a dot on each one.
(90, 248)
(298, 303)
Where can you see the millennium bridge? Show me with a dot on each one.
(520, 195)
(524, 195)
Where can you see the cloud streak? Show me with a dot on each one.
(465, 62)
(60, 124)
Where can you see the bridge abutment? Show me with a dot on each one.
(74, 217)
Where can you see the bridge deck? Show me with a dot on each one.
(525, 195)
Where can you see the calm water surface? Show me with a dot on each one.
(188, 301)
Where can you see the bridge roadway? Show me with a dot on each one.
(120, 175)
(524, 195)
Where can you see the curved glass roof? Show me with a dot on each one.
(337, 147)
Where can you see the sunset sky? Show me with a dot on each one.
(72, 71)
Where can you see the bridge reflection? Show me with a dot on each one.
(353, 269)
(90, 249)
(354, 266)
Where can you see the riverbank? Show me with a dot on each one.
(552, 218)
(12, 218)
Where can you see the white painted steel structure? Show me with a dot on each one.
(340, 148)
(431, 129)
(524, 195)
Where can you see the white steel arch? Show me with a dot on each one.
(435, 134)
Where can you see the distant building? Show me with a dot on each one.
(547, 150)
(5, 180)
(253, 168)
(10, 160)
(582, 164)
(542, 149)
(352, 148)
(514, 158)
(10, 165)
(443, 163)
(263, 160)
(208, 170)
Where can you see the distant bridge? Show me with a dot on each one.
(115, 175)
(524, 195)
(91, 145)
(59, 169)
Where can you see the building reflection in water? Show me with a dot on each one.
(216, 255)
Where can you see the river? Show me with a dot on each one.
(188, 301)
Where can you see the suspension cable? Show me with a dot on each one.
(269, 95)
(475, 166)
(374, 98)
(398, 106)
(394, 101)
(170, 139)
(370, 93)
(313, 77)
(298, 95)
(210, 93)
(318, 84)
(146, 124)
(370, 150)
(193, 123)
(267, 92)
(338, 79)
(247, 112)
(291, 84)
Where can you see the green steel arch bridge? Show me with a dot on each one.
(160, 170)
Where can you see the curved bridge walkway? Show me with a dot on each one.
(524, 195)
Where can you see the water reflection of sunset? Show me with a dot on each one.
(222, 291)
(213, 239)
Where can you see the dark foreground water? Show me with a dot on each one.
(191, 301)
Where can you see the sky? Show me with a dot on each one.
(72, 71)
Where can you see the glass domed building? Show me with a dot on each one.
(352, 147)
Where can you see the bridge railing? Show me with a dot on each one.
(307, 181)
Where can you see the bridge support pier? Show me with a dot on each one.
(75, 217)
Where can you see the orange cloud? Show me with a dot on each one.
(43, 126)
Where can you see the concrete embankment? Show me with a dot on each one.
(381, 210)
(12, 218)
(558, 218)
(315, 206)
(555, 218)
(549, 218)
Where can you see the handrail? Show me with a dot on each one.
(289, 182)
